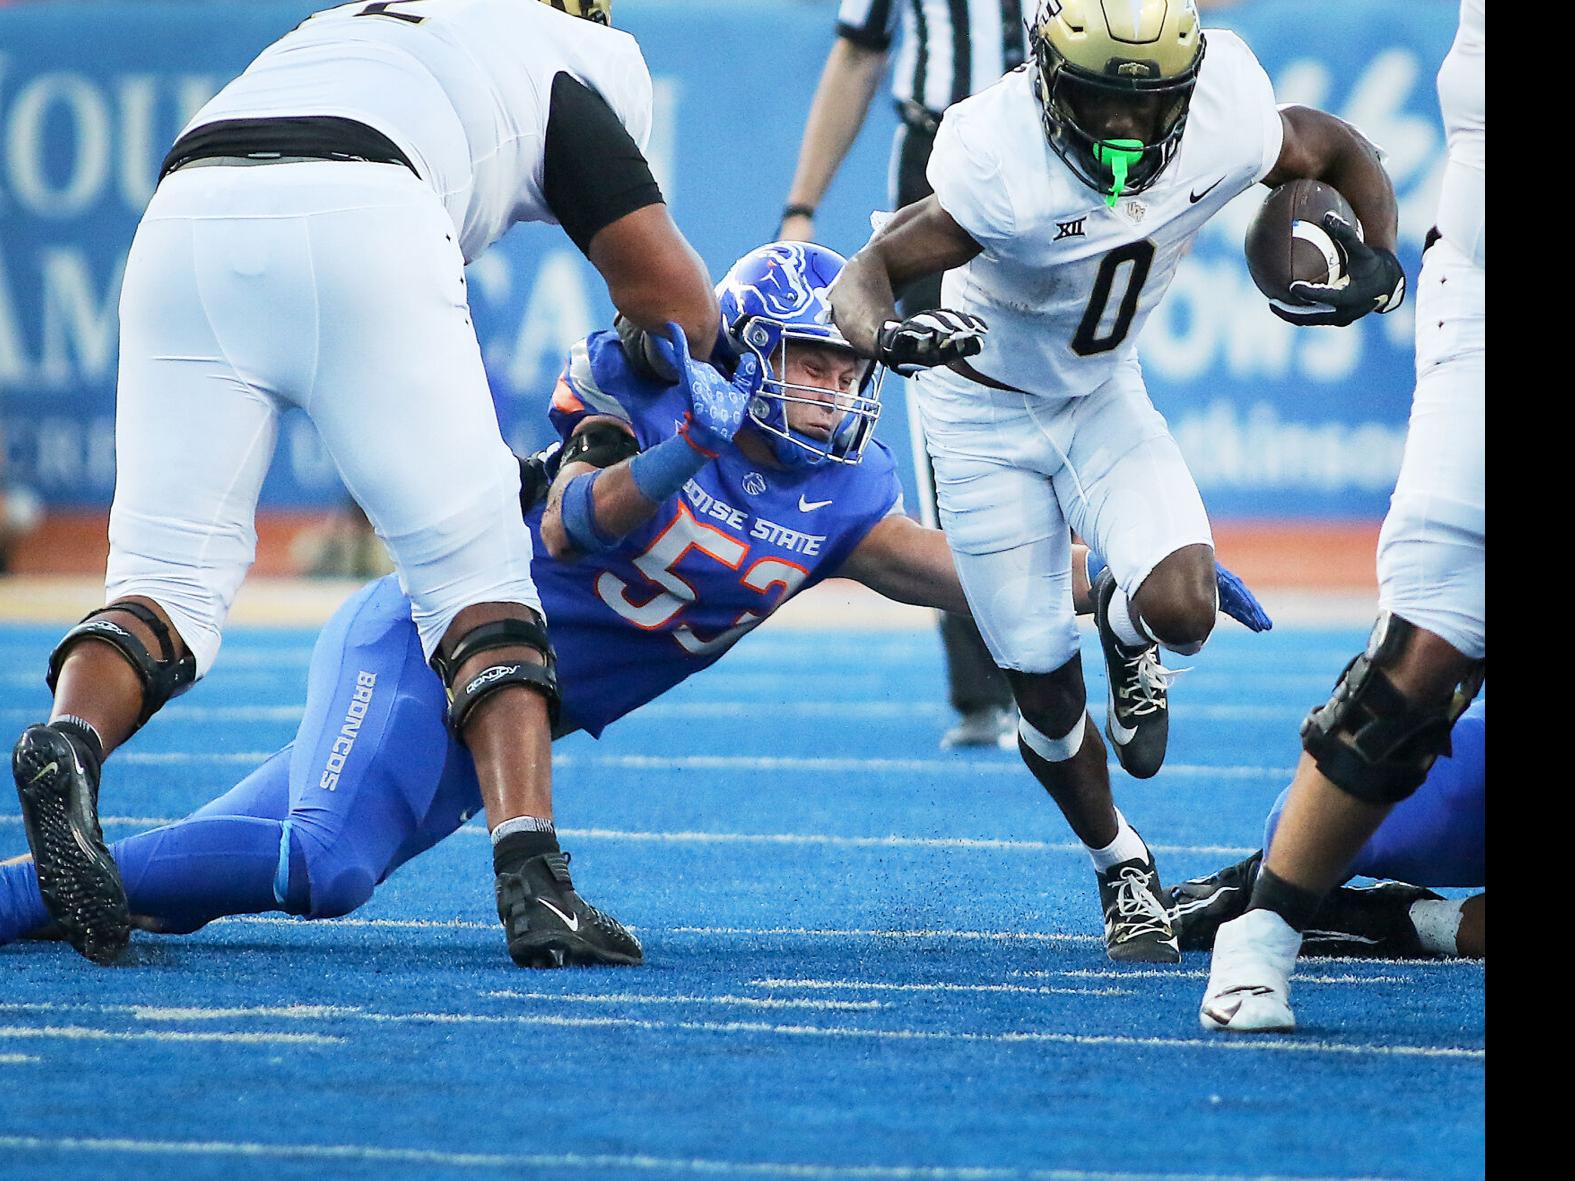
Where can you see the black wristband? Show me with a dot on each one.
(798, 209)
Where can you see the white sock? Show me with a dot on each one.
(1127, 846)
(523, 824)
(1437, 923)
(1124, 621)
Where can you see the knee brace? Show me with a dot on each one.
(1369, 739)
(530, 632)
(162, 677)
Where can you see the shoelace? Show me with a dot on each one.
(1145, 913)
(1151, 681)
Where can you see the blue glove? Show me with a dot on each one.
(1238, 602)
(717, 405)
(1235, 599)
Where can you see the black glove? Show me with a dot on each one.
(930, 338)
(1375, 283)
(644, 358)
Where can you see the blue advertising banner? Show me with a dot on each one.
(1277, 422)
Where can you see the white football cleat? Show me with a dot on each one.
(1249, 987)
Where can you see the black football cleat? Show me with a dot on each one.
(1137, 719)
(549, 925)
(1368, 922)
(77, 877)
(1198, 907)
(1137, 929)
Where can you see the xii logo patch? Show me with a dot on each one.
(1068, 229)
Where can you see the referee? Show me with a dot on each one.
(948, 49)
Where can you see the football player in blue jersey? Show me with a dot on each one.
(677, 516)
(1435, 837)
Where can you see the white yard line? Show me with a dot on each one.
(1195, 974)
(940, 986)
(516, 1163)
(638, 998)
(83, 1033)
(892, 841)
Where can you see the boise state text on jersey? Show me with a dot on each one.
(712, 563)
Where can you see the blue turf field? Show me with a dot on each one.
(866, 959)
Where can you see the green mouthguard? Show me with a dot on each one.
(1119, 155)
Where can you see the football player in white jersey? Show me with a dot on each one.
(1065, 195)
(306, 247)
(1392, 713)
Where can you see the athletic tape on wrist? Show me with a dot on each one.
(579, 516)
(660, 471)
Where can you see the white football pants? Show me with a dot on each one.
(1432, 550)
(335, 287)
(1014, 473)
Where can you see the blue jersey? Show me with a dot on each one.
(715, 560)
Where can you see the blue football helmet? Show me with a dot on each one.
(773, 299)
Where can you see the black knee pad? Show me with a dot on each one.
(1369, 739)
(162, 677)
(530, 632)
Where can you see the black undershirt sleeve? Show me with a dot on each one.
(593, 172)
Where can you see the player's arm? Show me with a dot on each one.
(598, 453)
(608, 486)
(1317, 146)
(908, 562)
(842, 101)
(920, 239)
(598, 184)
(911, 563)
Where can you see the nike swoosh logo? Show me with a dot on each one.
(1119, 734)
(809, 506)
(572, 922)
(1196, 196)
(48, 769)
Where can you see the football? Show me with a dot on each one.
(1286, 241)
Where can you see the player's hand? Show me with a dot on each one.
(717, 405)
(642, 352)
(1238, 602)
(928, 339)
(1375, 282)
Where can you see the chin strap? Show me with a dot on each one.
(1120, 156)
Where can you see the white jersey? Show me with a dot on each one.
(1462, 85)
(1065, 282)
(461, 86)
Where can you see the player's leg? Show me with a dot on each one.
(321, 822)
(1373, 744)
(1129, 494)
(195, 425)
(407, 415)
(222, 859)
(1432, 838)
(1013, 554)
(976, 688)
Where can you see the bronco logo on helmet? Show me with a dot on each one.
(775, 298)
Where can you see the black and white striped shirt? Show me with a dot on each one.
(949, 49)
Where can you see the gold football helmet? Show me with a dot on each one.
(599, 11)
(1114, 81)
